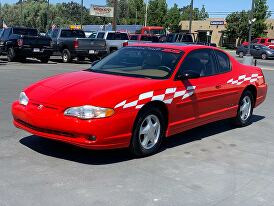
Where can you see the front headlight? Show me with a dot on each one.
(269, 52)
(89, 112)
(23, 99)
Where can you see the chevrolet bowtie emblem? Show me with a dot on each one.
(40, 106)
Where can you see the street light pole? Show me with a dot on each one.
(146, 13)
(21, 12)
(251, 21)
(114, 24)
(82, 6)
(190, 16)
(47, 23)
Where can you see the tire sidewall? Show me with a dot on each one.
(135, 145)
(241, 54)
(11, 54)
(239, 120)
(67, 53)
(264, 56)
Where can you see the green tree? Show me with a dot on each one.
(196, 14)
(157, 12)
(238, 22)
(173, 19)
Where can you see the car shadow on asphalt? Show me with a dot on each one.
(69, 152)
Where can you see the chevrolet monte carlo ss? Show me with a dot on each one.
(139, 95)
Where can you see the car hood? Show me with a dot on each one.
(84, 87)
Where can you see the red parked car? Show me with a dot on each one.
(264, 41)
(139, 95)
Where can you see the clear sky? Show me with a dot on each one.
(211, 5)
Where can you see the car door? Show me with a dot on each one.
(204, 92)
(254, 51)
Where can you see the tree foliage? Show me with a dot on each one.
(238, 22)
(34, 13)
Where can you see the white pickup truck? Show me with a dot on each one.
(114, 40)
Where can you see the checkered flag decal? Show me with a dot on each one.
(243, 78)
(166, 96)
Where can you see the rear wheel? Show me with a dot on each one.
(241, 54)
(66, 56)
(264, 57)
(11, 55)
(245, 109)
(148, 132)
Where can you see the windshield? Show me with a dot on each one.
(23, 31)
(157, 32)
(147, 62)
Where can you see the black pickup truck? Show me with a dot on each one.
(70, 44)
(18, 43)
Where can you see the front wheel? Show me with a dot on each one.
(11, 55)
(66, 56)
(264, 57)
(148, 132)
(241, 54)
(245, 109)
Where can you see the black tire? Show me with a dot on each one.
(111, 50)
(264, 56)
(136, 147)
(241, 54)
(44, 59)
(66, 56)
(11, 55)
(239, 120)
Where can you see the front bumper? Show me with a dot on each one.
(49, 122)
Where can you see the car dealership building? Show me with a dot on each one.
(213, 30)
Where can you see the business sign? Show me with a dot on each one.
(102, 11)
(217, 22)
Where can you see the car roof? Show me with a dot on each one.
(178, 46)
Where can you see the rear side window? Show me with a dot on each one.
(134, 37)
(54, 33)
(124, 36)
(73, 33)
(23, 31)
(263, 41)
(100, 35)
(6, 34)
(201, 61)
(146, 38)
(223, 62)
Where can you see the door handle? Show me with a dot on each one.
(218, 86)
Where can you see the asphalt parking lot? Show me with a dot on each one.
(213, 165)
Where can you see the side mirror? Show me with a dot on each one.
(94, 62)
(188, 75)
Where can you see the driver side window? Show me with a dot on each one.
(200, 61)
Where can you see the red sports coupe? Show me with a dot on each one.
(139, 95)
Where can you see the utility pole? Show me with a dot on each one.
(136, 16)
(251, 21)
(114, 24)
(47, 22)
(146, 13)
(190, 17)
(21, 12)
(82, 7)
